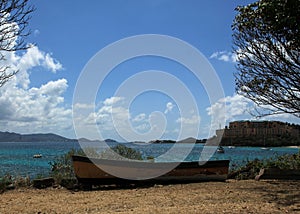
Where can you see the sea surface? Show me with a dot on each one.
(16, 158)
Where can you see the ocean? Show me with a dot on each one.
(16, 158)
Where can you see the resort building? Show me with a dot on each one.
(261, 130)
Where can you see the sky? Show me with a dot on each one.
(144, 97)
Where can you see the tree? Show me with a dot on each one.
(266, 36)
(14, 19)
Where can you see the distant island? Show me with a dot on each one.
(49, 137)
(238, 133)
(15, 137)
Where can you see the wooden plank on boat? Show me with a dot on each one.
(93, 170)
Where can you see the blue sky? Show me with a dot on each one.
(67, 34)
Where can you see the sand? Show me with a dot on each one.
(232, 196)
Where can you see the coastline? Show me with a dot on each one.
(292, 147)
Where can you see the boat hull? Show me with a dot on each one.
(110, 171)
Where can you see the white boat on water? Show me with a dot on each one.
(37, 156)
(220, 149)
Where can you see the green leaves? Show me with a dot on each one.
(120, 152)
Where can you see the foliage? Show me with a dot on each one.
(266, 38)
(121, 152)
(14, 19)
(252, 168)
(62, 167)
(5, 181)
(10, 182)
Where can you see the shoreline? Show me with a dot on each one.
(292, 147)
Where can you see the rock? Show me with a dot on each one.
(10, 187)
(280, 174)
(69, 183)
(43, 183)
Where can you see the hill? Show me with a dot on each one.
(15, 137)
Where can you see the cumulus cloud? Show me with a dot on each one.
(113, 119)
(169, 107)
(33, 109)
(112, 100)
(193, 120)
(139, 118)
(189, 126)
(238, 107)
(112, 111)
(224, 56)
(32, 58)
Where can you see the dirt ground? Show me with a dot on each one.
(232, 196)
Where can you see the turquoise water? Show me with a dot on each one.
(16, 158)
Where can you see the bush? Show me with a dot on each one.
(252, 168)
(10, 182)
(62, 167)
(5, 181)
(121, 152)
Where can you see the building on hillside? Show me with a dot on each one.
(259, 130)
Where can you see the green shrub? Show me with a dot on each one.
(5, 181)
(121, 152)
(11, 182)
(252, 168)
(62, 167)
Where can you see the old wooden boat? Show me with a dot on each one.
(103, 171)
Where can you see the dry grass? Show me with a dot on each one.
(233, 196)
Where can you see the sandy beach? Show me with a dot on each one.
(248, 196)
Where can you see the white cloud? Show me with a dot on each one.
(83, 106)
(112, 100)
(235, 106)
(114, 120)
(51, 63)
(143, 127)
(193, 120)
(8, 30)
(36, 32)
(169, 107)
(189, 127)
(139, 118)
(224, 56)
(33, 109)
(239, 108)
(33, 57)
(87, 116)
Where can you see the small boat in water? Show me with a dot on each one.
(265, 148)
(103, 171)
(37, 156)
(220, 149)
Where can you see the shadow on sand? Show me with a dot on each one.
(283, 193)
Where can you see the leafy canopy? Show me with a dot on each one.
(266, 36)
